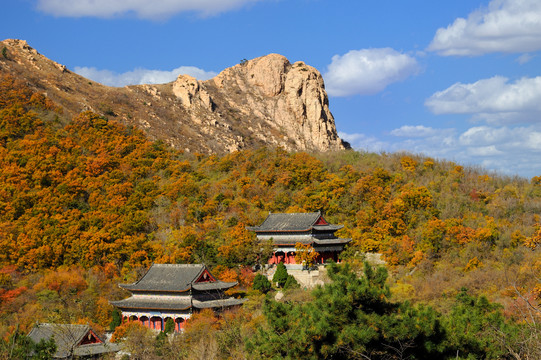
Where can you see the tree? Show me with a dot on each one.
(261, 283)
(351, 317)
(291, 283)
(477, 328)
(19, 346)
(137, 339)
(116, 319)
(169, 326)
(305, 254)
(44, 349)
(280, 276)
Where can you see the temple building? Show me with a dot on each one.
(73, 341)
(174, 291)
(286, 230)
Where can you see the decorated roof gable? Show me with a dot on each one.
(205, 276)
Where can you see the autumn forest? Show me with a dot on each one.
(87, 203)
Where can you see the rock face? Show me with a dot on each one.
(262, 102)
(290, 99)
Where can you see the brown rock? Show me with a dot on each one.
(263, 102)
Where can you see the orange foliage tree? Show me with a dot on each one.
(305, 254)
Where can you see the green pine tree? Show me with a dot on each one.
(280, 276)
(117, 319)
(169, 326)
(291, 283)
(261, 283)
(351, 317)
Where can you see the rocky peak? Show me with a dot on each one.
(266, 101)
(188, 90)
(285, 96)
(265, 75)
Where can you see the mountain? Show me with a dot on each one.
(266, 101)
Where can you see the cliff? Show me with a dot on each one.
(266, 101)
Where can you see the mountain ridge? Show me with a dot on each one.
(266, 101)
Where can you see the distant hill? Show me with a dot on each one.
(262, 102)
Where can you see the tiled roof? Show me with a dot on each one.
(336, 241)
(95, 349)
(67, 337)
(175, 278)
(213, 285)
(292, 222)
(217, 303)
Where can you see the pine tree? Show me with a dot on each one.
(280, 276)
(291, 283)
(117, 319)
(169, 326)
(351, 317)
(261, 283)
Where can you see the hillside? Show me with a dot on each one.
(262, 102)
(89, 203)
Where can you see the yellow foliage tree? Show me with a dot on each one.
(305, 254)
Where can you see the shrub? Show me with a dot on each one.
(169, 326)
(291, 283)
(280, 276)
(261, 283)
(117, 319)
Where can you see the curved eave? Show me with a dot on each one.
(257, 230)
(332, 242)
(217, 285)
(132, 287)
(328, 227)
(222, 303)
(308, 229)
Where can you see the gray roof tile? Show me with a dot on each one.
(67, 338)
(96, 349)
(217, 303)
(174, 278)
(293, 222)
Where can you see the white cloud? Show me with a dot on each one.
(524, 58)
(367, 71)
(504, 149)
(504, 26)
(484, 151)
(426, 140)
(147, 9)
(415, 131)
(503, 139)
(507, 150)
(141, 76)
(495, 100)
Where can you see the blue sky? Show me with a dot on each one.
(457, 80)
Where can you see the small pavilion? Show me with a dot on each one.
(174, 291)
(287, 230)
